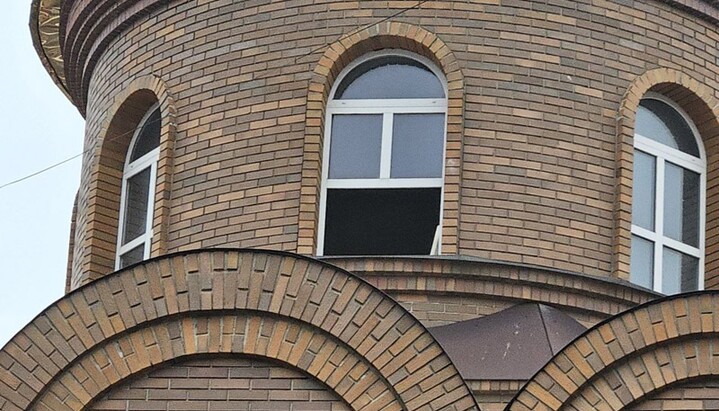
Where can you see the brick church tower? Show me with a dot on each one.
(383, 205)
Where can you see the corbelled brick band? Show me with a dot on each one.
(631, 357)
(699, 102)
(299, 311)
(387, 35)
(440, 291)
(99, 207)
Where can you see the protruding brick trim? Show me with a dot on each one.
(588, 298)
(698, 100)
(630, 357)
(386, 35)
(296, 310)
(94, 254)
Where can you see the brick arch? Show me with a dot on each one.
(386, 35)
(698, 100)
(630, 357)
(291, 343)
(98, 248)
(289, 308)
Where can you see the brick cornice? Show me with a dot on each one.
(87, 25)
(187, 304)
(599, 297)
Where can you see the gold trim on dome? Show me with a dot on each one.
(45, 28)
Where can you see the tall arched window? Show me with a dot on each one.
(383, 169)
(138, 192)
(668, 204)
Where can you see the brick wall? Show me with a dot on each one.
(220, 384)
(698, 395)
(543, 82)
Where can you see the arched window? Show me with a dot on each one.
(383, 171)
(138, 192)
(668, 204)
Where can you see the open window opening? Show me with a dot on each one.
(383, 171)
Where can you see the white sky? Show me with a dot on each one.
(38, 127)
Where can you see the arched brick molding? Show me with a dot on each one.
(94, 253)
(699, 101)
(630, 357)
(386, 35)
(296, 310)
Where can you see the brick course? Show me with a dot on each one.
(239, 384)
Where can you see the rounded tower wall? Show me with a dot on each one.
(532, 176)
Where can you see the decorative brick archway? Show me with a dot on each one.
(698, 100)
(630, 357)
(383, 36)
(298, 311)
(94, 254)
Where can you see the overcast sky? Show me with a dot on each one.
(38, 127)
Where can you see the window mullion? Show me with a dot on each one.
(659, 224)
(386, 154)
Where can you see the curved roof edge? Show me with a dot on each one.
(45, 32)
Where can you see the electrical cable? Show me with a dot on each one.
(67, 160)
(342, 37)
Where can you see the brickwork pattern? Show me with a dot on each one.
(239, 384)
(691, 396)
(298, 311)
(543, 83)
(631, 357)
(494, 395)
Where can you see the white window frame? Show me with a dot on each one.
(663, 154)
(149, 160)
(387, 108)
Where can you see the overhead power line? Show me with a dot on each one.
(342, 37)
(67, 160)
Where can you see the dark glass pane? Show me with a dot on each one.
(681, 204)
(149, 136)
(136, 203)
(390, 77)
(355, 146)
(133, 256)
(381, 221)
(660, 122)
(417, 145)
(643, 190)
(680, 272)
(642, 262)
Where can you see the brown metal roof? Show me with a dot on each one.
(510, 345)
